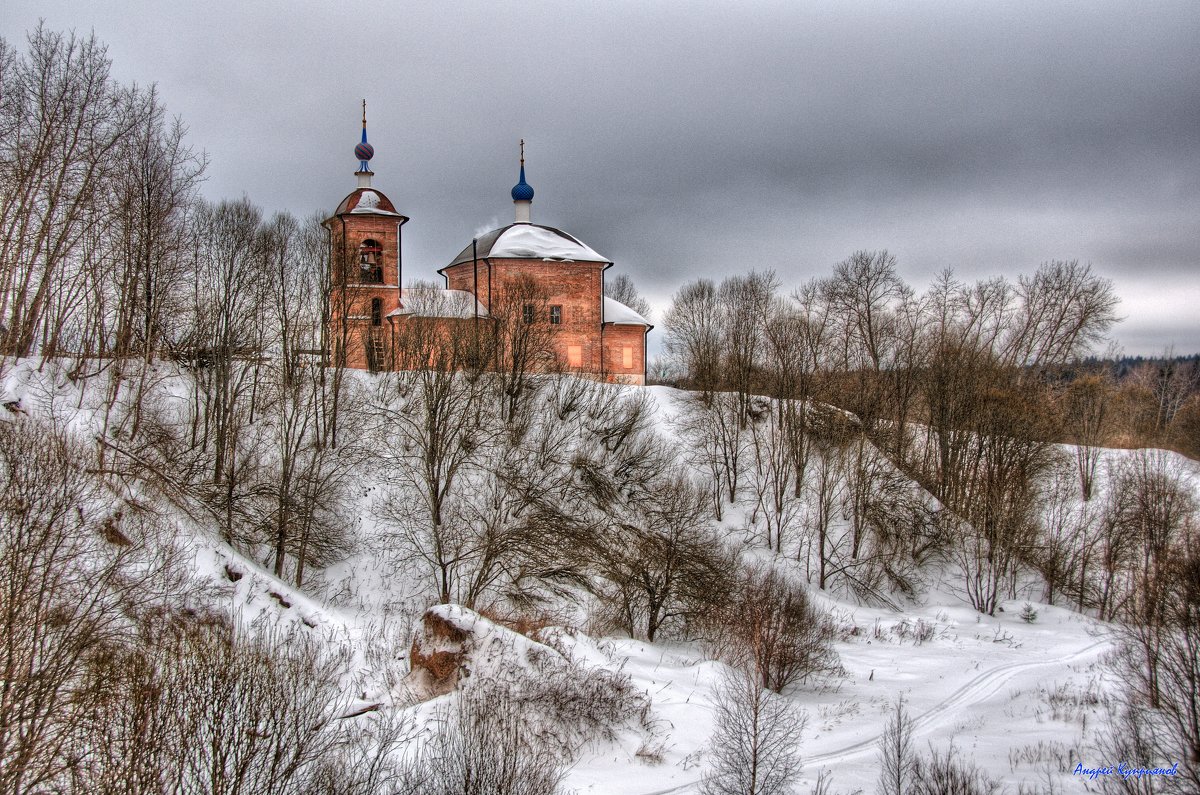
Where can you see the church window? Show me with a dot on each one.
(370, 262)
(528, 314)
(376, 312)
(556, 315)
(575, 355)
(627, 357)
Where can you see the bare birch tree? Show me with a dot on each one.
(756, 744)
(63, 121)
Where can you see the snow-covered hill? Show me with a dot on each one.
(1022, 697)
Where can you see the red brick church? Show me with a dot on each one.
(589, 333)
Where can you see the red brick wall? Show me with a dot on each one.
(575, 286)
(351, 297)
(462, 277)
(616, 340)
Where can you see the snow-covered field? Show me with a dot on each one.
(1019, 699)
(1016, 707)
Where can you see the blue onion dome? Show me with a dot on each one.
(522, 191)
(364, 151)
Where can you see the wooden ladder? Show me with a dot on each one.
(376, 353)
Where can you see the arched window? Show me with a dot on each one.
(370, 262)
(376, 312)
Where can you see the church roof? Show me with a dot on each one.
(621, 315)
(367, 201)
(530, 241)
(438, 302)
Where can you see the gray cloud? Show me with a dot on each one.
(706, 140)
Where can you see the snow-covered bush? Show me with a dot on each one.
(231, 711)
(946, 774)
(483, 746)
(515, 730)
(560, 699)
(574, 704)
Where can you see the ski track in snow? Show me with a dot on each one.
(974, 691)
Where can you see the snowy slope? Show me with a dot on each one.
(1014, 697)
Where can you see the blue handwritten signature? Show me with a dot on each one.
(1124, 771)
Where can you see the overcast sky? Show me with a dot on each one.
(703, 139)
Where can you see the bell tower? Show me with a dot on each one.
(364, 270)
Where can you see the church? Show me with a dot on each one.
(556, 279)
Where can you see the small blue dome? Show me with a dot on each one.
(522, 191)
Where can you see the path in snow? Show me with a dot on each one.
(974, 691)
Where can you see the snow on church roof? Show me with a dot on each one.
(367, 201)
(616, 312)
(531, 241)
(438, 302)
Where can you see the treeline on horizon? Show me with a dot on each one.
(864, 340)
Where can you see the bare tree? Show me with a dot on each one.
(773, 473)
(890, 526)
(770, 628)
(897, 757)
(988, 445)
(662, 561)
(861, 297)
(307, 477)
(745, 302)
(1086, 408)
(436, 419)
(824, 486)
(78, 573)
(519, 347)
(756, 744)
(794, 336)
(695, 333)
(160, 175)
(227, 336)
(1157, 720)
(1154, 507)
(1169, 382)
(1063, 310)
(63, 121)
(621, 288)
(717, 443)
(1067, 547)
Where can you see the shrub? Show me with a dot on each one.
(772, 627)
